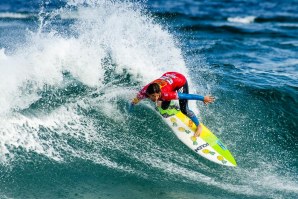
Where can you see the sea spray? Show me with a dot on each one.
(107, 39)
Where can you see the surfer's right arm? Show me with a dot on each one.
(141, 95)
(133, 103)
(135, 100)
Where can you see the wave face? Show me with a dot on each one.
(69, 68)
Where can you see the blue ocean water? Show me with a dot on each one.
(69, 68)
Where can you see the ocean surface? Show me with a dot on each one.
(68, 70)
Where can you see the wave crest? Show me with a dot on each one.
(244, 20)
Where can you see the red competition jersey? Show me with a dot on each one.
(169, 83)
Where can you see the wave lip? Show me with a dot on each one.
(12, 15)
(244, 20)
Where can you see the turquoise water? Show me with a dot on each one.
(69, 69)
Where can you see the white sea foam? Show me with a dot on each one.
(47, 135)
(2, 54)
(244, 20)
(117, 30)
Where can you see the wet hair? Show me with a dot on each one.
(153, 88)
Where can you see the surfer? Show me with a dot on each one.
(172, 86)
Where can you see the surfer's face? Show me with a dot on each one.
(154, 97)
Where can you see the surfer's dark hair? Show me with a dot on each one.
(153, 88)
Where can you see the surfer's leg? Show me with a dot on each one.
(183, 102)
(184, 109)
(184, 105)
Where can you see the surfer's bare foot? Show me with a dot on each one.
(198, 131)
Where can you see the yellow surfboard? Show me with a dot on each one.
(206, 145)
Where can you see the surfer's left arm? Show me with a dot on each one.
(206, 99)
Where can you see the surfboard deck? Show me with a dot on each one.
(206, 145)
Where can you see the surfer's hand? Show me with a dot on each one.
(158, 103)
(135, 101)
(208, 99)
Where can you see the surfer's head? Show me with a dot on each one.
(153, 91)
